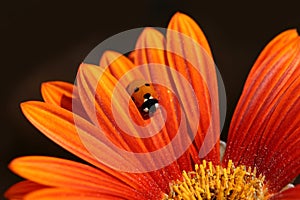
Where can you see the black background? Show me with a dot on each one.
(42, 41)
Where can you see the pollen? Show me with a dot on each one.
(210, 182)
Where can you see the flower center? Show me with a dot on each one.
(218, 183)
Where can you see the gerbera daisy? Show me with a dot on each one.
(262, 154)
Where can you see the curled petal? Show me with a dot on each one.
(21, 189)
(58, 93)
(62, 94)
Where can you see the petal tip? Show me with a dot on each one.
(178, 14)
(89, 69)
(45, 87)
(45, 84)
(150, 38)
(148, 29)
(25, 105)
(108, 57)
(293, 31)
(152, 32)
(181, 16)
(15, 164)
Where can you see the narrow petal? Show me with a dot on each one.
(19, 190)
(150, 47)
(118, 65)
(52, 172)
(60, 193)
(270, 91)
(149, 50)
(58, 124)
(189, 54)
(184, 24)
(290, 194)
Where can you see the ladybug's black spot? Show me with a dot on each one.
(147, 96)
(132, 98)
(150, 104)
(147, 84)
(136, 89)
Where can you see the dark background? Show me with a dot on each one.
(43, 41)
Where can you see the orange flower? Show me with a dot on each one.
(262, 154)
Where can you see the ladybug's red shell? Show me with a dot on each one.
(144, 96)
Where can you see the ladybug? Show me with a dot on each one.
(144, 96)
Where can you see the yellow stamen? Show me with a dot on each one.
(217, 183)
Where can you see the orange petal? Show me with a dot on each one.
(62, 94)
(51, 171)
(149, 50)
(279, 150)
(19, 190)
(290, 194)
(95, 89)
(149, 47)
(150, 55)
(119, 65)
(184, 24)
(98, 98)
(99, 103)
(273, 47)
(60, 193)
(188, 53)
(58, 93)
(58, 124)
(270, 88)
